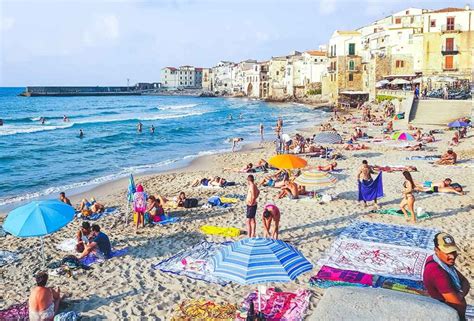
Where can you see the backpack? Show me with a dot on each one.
(139, 202)
(190, 202)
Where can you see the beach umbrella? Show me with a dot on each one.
(381, 83)
(402, 136)
(457, 124)
(131, 191)
(315, 179)
(327, 138)
(259, 260)
(38, 218)
(399, 81)
(287, 161)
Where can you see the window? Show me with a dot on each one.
(399, 64)
(180, 82)
(277, 73)
(351, 65)
(433, 23)
(449, 44)
(398, 21)
(351, 77)
(407, 12)
(352, 48)
(448, 62)
(450, 23)
(412, 19)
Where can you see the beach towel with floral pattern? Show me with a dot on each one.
(281, 306)
(17, 312)
(203, 310)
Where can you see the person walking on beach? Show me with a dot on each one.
(271, 213)
(261, 133)
(408, 199)
(251, 201)
(441, 279)
(369, 190)
(139, 127)
(152, 129)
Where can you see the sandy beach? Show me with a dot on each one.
(127, 288)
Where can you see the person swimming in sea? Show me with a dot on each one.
(81, 133)
(65, 119)
(139, 127)
(42, 120)
(1, 122)
(241, 116)
(152, 129)
(229, 117)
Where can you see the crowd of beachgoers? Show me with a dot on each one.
(104, 261)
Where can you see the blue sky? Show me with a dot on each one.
(104, 42)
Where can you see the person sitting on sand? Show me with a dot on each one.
(262, 165)
(327, 168)
(270, 213)
(449, 158)
(92, 206)
(99, 245)
(389, 127)
(290, 189)
(441, 279)
(417, 135)
(64, 199)
(82, 237)
(43, 303)
(416, 147)
(463, 132)
(446, 186)
(455, 139)
(152, 210)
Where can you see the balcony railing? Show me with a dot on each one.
(449, 67)
(451, 28)
(449, 50)
(330, 69)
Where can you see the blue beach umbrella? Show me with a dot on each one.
(259, 260)
(131, 188)
(457, 124)
(38, 219)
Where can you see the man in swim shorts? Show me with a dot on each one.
(271, 213)
(251, 201)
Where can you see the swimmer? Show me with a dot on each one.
(241, 116)
(1, 122)
(234, 141)
(42, 120)
(139, 127)
(152, 129)
(81, 133)
(65, 119)
(229, 117)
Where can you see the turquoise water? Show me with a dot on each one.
(38, 160)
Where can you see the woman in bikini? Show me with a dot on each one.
(408, 199)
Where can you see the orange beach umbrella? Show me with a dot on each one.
(287, 161)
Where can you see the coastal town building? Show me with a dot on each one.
(183, 77)
(169, 77)
(222, 77)
(276, 74)
(206, 81)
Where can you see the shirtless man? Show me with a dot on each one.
(64, 199)
(365, 174)
(261, 133)
(446, 186)
(449, 158)
(43, 302)
(327, 168)
(251, 201)
(234, 141)
(290, 189)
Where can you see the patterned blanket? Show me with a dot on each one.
(324, 284)
(7, 257)
(402, 235)
(17, 312)
(203, 310)
(92, 259)
(194, 262)
(281, 306)
(376, 258)
(333, 274)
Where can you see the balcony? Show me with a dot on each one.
(449, 67)
(449, 50)
(356, 69)
(331, 70)
(451, 28)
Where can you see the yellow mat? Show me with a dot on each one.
(222, 231)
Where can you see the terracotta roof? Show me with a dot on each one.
(198, 68)
(316, 52)
(172, 68)
(450, 9)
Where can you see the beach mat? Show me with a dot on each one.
(92, 259)
(97, 216)
(325, 284)
(423, 158)
(17, 312)
(194, 262)
(203, 310)
(347, 276)
(221, 231)
(7, 257)
(67, 245)
(402, 285)
(376, 258)
(281, 306)
(401, 235)
(398, 212)
(165, 220)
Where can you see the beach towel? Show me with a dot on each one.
(17, 312)
(281, 306)
(194, 262)
(92, 259)
(203, 310)
(397, 284)
(67, 245)
(349, 276)
(7, 257)
(96, 216)
(217, 201)
(222, 231)
(164, 220)
(376, 258)
(67, 316)
(369, 191)
(470, 312)
(401, 235)
(398, 212)
(424, 158)
(325, 284)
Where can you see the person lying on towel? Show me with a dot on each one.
(99, 245)
(446, 186)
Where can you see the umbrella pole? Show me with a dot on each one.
(127, 213)
(42, 252)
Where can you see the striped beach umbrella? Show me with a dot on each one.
(327, 138)
(403, 136)
(259, 260)
(287, 161)
(315, 179)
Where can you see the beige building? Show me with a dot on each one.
(276, 74)
(448, 42)
(207, 79)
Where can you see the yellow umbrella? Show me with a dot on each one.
(287, 161)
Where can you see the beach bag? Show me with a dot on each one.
(190, 203)
(139, 202)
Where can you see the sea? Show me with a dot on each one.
(40, 160)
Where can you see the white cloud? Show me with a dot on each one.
(7, 23)
(105, 28)
(327, 7)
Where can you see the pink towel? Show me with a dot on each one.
(333, 274)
